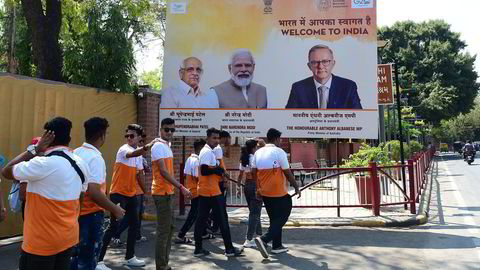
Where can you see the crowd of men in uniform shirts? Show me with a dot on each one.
(66, 194)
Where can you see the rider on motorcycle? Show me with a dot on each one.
(468, 149)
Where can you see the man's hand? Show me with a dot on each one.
(44, 142)
(186, 192)
(3, 214)
(297, 192)
(118, 212)
(258, 195)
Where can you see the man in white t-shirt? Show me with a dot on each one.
(95, 201)
(55, 182)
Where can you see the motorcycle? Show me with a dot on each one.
(470, 159)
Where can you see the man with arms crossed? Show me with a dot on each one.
(210, 197)
(162, 192)
(55, 182)
(94, 201)
(270, 170)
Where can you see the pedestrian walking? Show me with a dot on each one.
(86, 253)
(55, 181)
(271, 172)
(210, 197)
(250, 190)
(162, 192)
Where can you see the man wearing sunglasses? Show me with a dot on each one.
(323, 90)
(162, 192)
(187, 92)
(123, 191)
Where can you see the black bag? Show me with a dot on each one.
(72, 162)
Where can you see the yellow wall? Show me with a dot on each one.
(27, 103)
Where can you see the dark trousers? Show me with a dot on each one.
(59, 261)
(191, 217)
(254, 208)
(130, 206)
(278, 210)
(217, 204)
(85, 254)
(214, 222)
(124, 222)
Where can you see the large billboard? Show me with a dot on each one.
(307, 68)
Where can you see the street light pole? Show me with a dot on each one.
(400, 132)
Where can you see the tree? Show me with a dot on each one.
(44, 25)
(152, 78)
(431, 62)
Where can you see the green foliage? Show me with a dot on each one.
(152, 78)
(415, 147)
(97, 39)
(394, 147)
(432, 60)
(461, 128)
(368, 154)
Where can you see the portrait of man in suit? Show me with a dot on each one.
(239, 91)
(323, 90)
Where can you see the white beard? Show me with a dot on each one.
(242, 82)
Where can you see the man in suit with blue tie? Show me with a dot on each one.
(323, 90)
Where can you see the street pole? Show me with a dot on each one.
(400, 132)
(381, 114)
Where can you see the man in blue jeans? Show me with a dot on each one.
(85, 254)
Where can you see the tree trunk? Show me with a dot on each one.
(12, 63)
(45, 29)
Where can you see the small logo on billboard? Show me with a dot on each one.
(362, 3)
(178, 7)
(268, 6)
(323, 5)
(339, 4)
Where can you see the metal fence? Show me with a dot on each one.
(369, 187)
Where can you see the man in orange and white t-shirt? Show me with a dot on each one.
(191, 173)
(162, 192)
(210, 197)
(94, 202)
(55, 182)
(270, 170)
(123, 190)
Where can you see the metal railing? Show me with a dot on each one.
(368, 187)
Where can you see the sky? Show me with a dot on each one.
(460, 14)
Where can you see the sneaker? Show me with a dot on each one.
(101, 266)
(279, 250)
(201, 253)
(134, 262)
(261, 247)
(116, 242)
(142, 239)
(234, 252)
(249, 243)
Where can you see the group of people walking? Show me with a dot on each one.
(66, 194)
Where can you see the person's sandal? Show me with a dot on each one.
(184, 240)
(208, 236)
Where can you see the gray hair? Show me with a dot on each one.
(319, 47)
(241, 52)
(182, 64)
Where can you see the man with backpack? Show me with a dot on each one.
(55, 182)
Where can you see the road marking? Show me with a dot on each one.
(468, 220)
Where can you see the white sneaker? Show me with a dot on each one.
(101, 266)
(249, 243)
(134, 262)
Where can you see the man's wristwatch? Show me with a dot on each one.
(32, 149)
